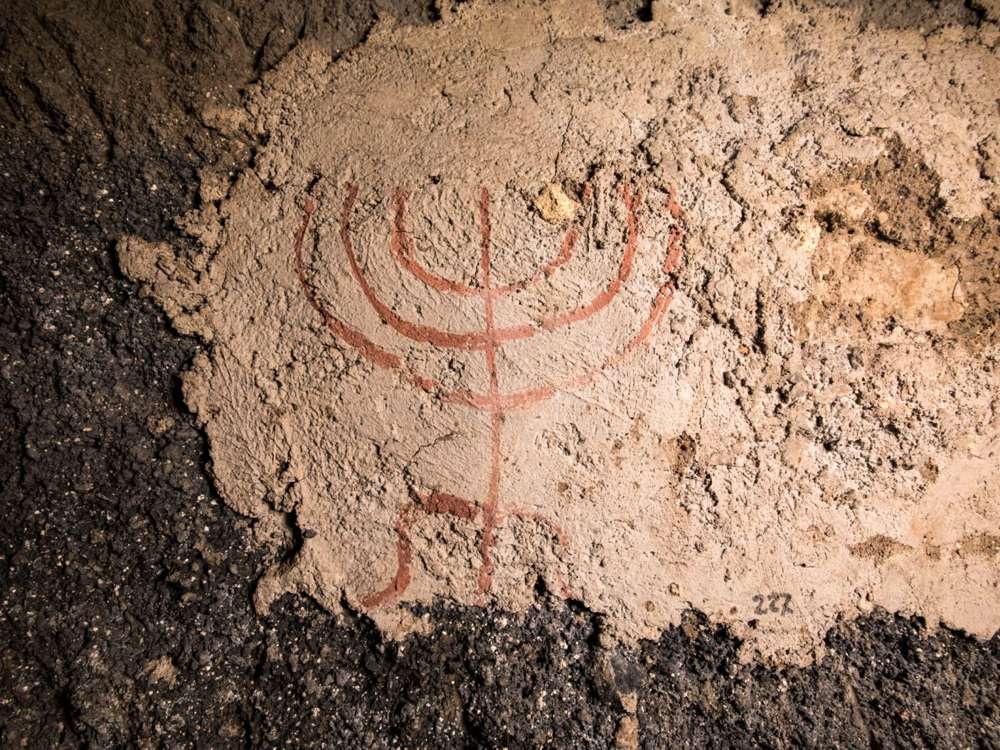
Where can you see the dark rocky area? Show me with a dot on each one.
(126, 584)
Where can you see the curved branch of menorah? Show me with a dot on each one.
(514, 399)
(482, 339)
(403, 248)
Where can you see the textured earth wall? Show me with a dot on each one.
(698, 313)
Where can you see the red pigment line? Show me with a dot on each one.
(435, 503)
(403, 248)
(662, 301)
(452, 505)
(675, 250)
(672, 205)
(404, 560)
(496, 417)
(529, 396)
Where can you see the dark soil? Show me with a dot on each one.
(126, 583)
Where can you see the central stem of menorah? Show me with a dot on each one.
(492, 504)
(489, 339)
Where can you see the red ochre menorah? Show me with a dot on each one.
(487, 340)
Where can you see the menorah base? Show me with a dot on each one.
(440, 503)
(488, 340)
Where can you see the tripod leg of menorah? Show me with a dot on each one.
(435, 503)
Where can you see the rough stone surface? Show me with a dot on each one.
(754, 373)
(119, 563)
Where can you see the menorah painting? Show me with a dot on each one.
(493, 509)
(458, 344)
